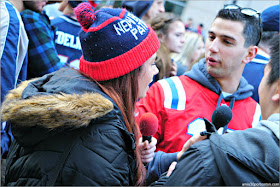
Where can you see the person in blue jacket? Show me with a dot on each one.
(13, 57)
(254, 70)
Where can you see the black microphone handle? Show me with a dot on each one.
(149, 138)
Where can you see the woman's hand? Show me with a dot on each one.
(147, 150)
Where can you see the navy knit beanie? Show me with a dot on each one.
(114, 42)
(138, 8)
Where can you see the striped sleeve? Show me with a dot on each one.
(257, 116)
(174, 93)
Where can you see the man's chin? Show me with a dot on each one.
(211, 71)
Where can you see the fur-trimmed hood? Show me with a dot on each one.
(52, 111)
(47, 103)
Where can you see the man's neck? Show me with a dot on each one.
(231, 82)
(229, 85)
(264, 49)
(68, 10)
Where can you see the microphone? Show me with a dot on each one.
(220, 118)
(148, 124)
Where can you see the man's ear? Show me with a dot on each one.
(252, 52)
(161, 37)
(276, 95)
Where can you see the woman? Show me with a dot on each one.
(170, 30)
(77, 127)
(192, 51)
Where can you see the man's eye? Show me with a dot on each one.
(211, 37)
(228, 42)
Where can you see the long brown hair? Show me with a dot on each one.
(124, 92)
(161, 24)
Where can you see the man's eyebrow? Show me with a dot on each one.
(225, 36)
(211, 32)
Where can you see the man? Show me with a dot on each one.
(180, 103)
(146, 10)
(13, 57)
(253, 71)
(14, 43)
(243, 157)
(67, 40)
(42, 55)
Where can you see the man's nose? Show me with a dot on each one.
(182, 39)
(161, 9)
(214, 46)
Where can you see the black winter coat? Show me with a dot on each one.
(55, 111)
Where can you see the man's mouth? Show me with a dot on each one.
(211, 61)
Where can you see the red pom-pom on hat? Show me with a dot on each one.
(85, 15)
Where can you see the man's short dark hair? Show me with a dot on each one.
(252, 28)
(274, 60)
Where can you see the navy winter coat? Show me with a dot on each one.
(58, 110)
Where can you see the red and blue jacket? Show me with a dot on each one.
(180, 103)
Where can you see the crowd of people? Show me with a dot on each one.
(76, 77)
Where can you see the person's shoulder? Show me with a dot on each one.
(57, 20)
(175, 83)
(29, 15)
(63, 20)
(189, 82)
(5, 4)
(28, 12)
(250, 100)
(8, 9)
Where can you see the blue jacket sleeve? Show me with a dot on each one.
(159, 165)
(42, 54)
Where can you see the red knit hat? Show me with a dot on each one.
(114, 42)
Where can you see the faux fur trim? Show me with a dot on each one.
(52, 111)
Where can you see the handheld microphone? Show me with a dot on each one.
(220, 118)
(148, 124)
